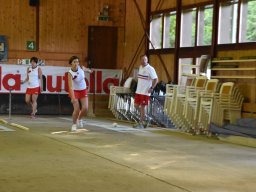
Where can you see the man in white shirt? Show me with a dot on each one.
(147, 80)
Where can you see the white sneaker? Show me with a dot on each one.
(74, 127)
(138, 126)
(80, 123)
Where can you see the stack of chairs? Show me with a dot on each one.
(179, 92)
(178, 104)
(192, 103)
(193, 108)
(117, 103)
(227, 108)
(125, 108)
(169, 98)
(218, 108)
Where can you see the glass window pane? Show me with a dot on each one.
(169, 30)
(228, 22)
(205, 26)
(188, 25)
(156, 32)
(248, 21)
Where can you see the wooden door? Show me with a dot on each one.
(102, 47)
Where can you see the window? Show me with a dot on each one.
(197, 25)
(156, 32)
(162, 31)
(188, 26)
(169, 30)
(205, 18)
(248, 21)
(228, 22)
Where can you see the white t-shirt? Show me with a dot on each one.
(145, 76)
(78, 78)
(33, 77)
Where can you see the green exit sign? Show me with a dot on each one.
(31, 45)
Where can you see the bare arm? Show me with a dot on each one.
(26, 79)
(40, 75)
(154, 83)
(70, 89)
(86, 69)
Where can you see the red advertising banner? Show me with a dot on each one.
(55, 79)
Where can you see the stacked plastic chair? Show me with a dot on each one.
(179, 100)
(192, 103)
(169, 98)
(227, 108)
(189, 71)
(115, 101)
(216, 107)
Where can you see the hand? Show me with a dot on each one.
(150, 90)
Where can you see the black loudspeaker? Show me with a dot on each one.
(33, 2)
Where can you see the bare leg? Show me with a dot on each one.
(75, 112)
(34, 104)
(137, 107)
(84, 108)
(141, 109)
(142, 112)
(28, 100)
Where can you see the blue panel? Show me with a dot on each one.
(3, 48)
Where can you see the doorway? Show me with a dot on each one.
(102, 47)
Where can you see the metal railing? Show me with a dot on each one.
(124, 109)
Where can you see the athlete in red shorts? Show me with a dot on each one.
(147, 80)
(35, 85)
(77, 91)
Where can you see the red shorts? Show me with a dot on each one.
(141, 99)
(80, 93)
(31, 91)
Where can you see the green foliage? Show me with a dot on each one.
(251, 21)
(172, 30)
(208, 14)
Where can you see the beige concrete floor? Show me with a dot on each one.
(48, 158)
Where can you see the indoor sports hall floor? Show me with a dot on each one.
(43, 156)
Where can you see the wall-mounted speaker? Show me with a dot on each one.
(33, 2)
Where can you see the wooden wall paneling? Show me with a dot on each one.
(162, 4)
(121, 13)
(17, 22)
(46, 26)
(134, 33)
(169, 62)
(62, 23)
(120, 48)
(192, 2)
(236, 54)
(62, 27)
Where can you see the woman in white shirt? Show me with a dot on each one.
(77, 91)
(35, 85)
